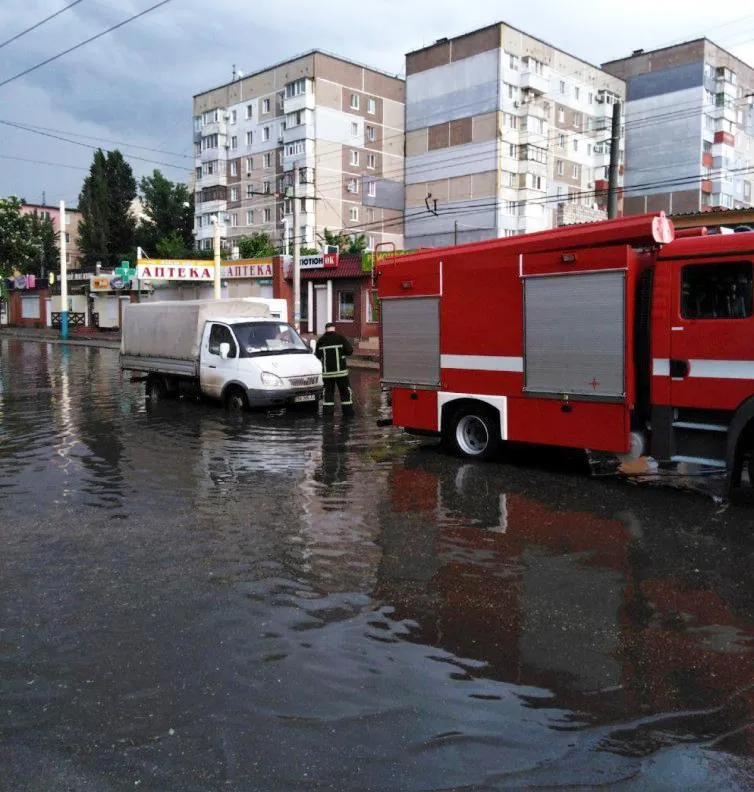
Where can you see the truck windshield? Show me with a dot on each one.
(268, 338)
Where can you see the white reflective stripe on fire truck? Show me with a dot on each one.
(709, 369)
(500, 403)
(482, 363)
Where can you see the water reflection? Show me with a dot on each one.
(570, 593)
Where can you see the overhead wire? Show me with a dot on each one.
(38, 24)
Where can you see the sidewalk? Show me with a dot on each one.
(90, 336)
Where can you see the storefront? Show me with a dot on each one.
(336, 289)
(175, 279)
(28, 300)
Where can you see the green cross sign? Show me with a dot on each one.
(125, 271)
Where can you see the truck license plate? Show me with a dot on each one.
(307, 397)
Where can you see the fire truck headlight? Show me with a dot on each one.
(271, 380)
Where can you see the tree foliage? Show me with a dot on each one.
(22, 239)
(257, 245)
(346, 243)
(42, 230)
(106, 233)
(168, 215)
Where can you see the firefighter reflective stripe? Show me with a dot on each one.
(709, 369)
(333, 361)
(349, 401)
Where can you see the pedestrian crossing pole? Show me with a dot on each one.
(63, 276)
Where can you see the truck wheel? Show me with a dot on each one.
(155, 388)
(474, 434)
(235, 401)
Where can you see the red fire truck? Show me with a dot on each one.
(618, 336)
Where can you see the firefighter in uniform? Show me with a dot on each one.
(332, 349)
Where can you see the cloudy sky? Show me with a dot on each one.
(132, 88)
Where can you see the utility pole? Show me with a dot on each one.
(455, 232)
(63, 276)
(296, 254)
(216, 248)
(612, 176)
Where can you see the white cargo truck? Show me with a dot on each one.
(236, 351)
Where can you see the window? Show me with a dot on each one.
(562, 87)
(575, 144)
(508, 207)
(268, 215)
(198, 174)
(355, 103)
(560, 167)
(233, 116)
(510, 121)
(373, 304)
(513, 62)
(352, 185)
(249, 165)
(370, 215)
(249, 138)
(250, 217)
(220, 334)
(354, 129)
(234, 142)
(354, 158)
(371, 134)
(589, 149)
(249, 111)
(353, 214)
(371, 106)
(297, 88)
(234, 219)
(266, 188)
(509, 179)
(234, 193)
(209, 142)
(372, 189)
(303, 205)
(265, 133)
(267, 160)
(576, 92)
(590, 98)
(371, 161)
(575, 172)
(345, 306)
(234, 168)
(716, 291)
(561, 115)
(266, 105)
(561, 141)
(577, 120)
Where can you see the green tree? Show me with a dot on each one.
(172, 246)
(345, 242)
(42, 230)
(258, 245)
(19, 248)
(168, 210)
(106, 233)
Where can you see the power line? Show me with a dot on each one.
(26, 128)
(82, 43)
(41, 162)
(38, 24)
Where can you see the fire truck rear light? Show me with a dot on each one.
(568, 258)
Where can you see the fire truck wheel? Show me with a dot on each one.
(235, 401)
(474, 434)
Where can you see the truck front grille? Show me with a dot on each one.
(304, 382)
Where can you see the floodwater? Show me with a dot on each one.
(193, 602)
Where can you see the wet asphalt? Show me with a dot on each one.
(190, 601)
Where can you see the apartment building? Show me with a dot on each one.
(72, 221)
(502, 130)
(340, 122)
(690, 125)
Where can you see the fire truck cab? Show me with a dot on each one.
(614, 337)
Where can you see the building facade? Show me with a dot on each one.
(72, 222)
(690, 128)
(501, 128)
(340, 122)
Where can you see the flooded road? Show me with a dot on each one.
(193, 602)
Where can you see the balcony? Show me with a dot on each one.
(707, 159)
(298, 132)
(304, 101)
(538, 84)
(706, 185)
(217, 179)
(726, 112)
(725, 138)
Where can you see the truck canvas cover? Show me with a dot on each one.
(173, 329)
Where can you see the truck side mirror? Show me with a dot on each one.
(224, 350)
(313, 344)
